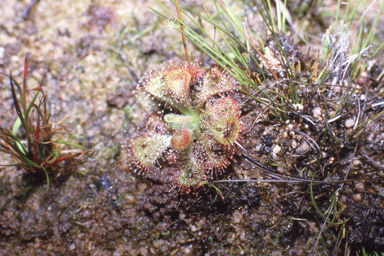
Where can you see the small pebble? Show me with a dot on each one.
(336, 89)
(188, 249)
(129, 199)
(143, 251)
(359, 185)
(357, 197)
(276, 149)
(356, 162)
(361, 79)
(349, 123)
(193, 228)
(72, 247)
(317, 113)
(303, 148)
(298, 107)
(182, 216)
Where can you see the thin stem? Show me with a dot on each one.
(182, 29)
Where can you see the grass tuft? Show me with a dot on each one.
(39, 156)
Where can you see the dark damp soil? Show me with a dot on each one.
(93, 54)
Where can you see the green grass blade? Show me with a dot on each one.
(47, 177)
(26, 113)
(70, 144)
(353, 13)
(337, 15)
(20, 115)
(371, 34)
(377, 50)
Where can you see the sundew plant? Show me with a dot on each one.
(200, 134)
(318, 114)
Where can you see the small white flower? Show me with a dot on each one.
(170, 24)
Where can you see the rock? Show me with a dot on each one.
(317, 113)
(359, 185)
(357, 197)
(276, 149)
(303, 148)
(298, 107)
(349, 123)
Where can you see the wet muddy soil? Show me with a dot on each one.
(93, 54)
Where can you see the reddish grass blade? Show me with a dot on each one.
(182, 29)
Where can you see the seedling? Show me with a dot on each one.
(39, 156)
(201, 133)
